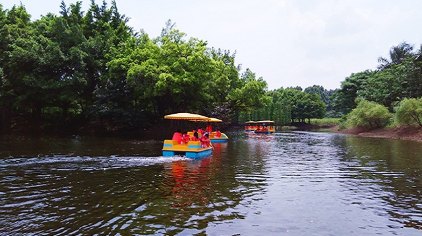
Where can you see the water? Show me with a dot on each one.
(296, 183)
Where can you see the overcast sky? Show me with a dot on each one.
(287, 42)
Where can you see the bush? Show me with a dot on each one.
(409, 112)
(368, 115)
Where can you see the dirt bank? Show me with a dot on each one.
(405, 133)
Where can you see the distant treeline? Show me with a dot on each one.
(396, 80)
(390, 95)
(88, 71)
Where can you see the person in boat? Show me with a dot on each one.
(209, 128)
(205, 140)
(218, 134)
(195, 136)
(200, 132)
(185, 138)
(177, 136)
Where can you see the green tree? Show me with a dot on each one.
(344, 99)
(368, 115)
(250, 95)
(409, 112)
(397, 54)
(325, 96)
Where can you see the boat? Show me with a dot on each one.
(191, 149)
(264, 127)
(250, 126)
(217, 136)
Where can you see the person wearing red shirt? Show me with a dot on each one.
(177, 136)
(205, 141)
(200, 132)
(209, 128)
(195, 136)
(185, 138)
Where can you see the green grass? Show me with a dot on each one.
(326, 121)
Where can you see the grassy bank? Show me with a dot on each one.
(325, 122)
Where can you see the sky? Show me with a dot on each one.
(286, 42)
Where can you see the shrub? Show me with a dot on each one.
(409, 112)
(368, 115)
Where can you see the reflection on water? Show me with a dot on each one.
(296, 183)
(391, 171)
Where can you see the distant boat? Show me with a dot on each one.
(265, 127)
(250, 126)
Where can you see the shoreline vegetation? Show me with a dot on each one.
(333, 125)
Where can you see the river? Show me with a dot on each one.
(292, 183)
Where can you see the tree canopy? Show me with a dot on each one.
(91, 70)
(396, 78)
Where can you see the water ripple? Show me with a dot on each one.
(297, 183)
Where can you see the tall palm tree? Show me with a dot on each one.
(397, 55)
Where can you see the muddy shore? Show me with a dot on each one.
(405, 133)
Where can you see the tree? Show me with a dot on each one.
(250, 95)
(344, 98)
(326, 97)
(368, 115)
(409, 112)
(397, 54)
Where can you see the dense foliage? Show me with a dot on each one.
(395, 79)
(91, 70)
(368, 115)
(409, 112)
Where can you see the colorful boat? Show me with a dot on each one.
(191, 149)
(265, 127)
(216, 136)
(250, 126)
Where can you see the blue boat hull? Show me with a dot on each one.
(188, 154)
(222, 140)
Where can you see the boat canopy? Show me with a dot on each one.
(186, 116)
(214, 120)
(265, 121)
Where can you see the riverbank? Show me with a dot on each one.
(404, 133)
